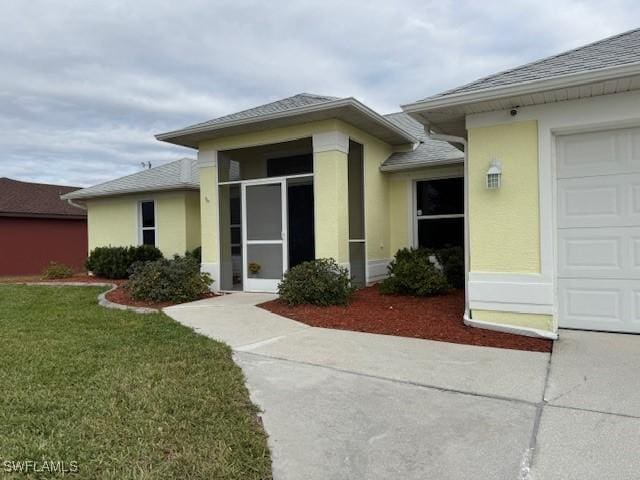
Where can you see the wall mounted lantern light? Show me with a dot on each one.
(494, 175)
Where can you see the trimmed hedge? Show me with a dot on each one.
(452, 261)
(413, 272)
(318, 282)
(116, 262)
(168, 280)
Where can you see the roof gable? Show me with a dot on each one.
(295, 110)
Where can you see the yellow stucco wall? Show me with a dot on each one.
(529, 320)
(209, 214)
(504, 223)
(192, 209)
(401, 203)
(114, 221)
(331, 205)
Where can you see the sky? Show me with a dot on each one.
(85, 85)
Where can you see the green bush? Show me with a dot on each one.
(116, 262)
(168, 280)
(413, 273)
(57, 270)
(452, 261)
(196, 254)
(318, 282)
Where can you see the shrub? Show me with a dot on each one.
(168, 280)
(57, 270)
(413, 273)
(116, 262)
(318, 282)
(196, 254)
(452, 261)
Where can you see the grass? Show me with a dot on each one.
(124, 395)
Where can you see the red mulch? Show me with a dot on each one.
(121, 295)
(435, 318)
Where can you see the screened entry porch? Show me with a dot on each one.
(267, 200)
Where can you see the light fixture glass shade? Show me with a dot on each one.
(494, 175)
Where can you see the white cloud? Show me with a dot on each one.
(85, 85)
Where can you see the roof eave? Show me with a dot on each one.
(176, 136)
(523, 88)
(415, 165)
(130, 191)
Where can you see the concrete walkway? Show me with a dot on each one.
(350, 405)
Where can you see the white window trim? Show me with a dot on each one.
(414, 203)
(155, 221)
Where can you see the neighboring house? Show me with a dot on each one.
(36, 228)
(552, 236)
(558, 244)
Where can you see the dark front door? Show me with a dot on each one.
(300, 210)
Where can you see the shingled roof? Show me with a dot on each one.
(283, 105)
(26, 199)
(177, 175)
(286, 112)
(427, 152)
(614, 51)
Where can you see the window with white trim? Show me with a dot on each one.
(439, 220)
(147, 222)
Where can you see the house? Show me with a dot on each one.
(36, 228)
(305, 177)
(558, 244)
(534, 171)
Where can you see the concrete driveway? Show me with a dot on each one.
(349, 405)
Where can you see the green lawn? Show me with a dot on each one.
(124, 395)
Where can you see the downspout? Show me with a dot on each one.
(77, 205)
(467, 266)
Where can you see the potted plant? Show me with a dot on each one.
(254, 268)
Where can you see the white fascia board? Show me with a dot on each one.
(523, 88)
(129, 191)
(343, 102)
(416, 165)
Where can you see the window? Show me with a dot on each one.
(294, 165)
(440, 213)
(148, 223)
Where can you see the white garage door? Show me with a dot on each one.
(599, 230)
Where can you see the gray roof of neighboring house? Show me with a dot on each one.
(618, 50)
(177, 175)
(300, 108)
(427, 152)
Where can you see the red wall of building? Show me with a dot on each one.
(27, 245)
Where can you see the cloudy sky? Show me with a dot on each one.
(85, 85)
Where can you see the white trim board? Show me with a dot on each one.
(521, 293)
(377, 270)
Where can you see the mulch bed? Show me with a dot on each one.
(121, 295)
(435, 318)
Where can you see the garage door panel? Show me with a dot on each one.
(598, 153)
(611, 305)
(612, 200)
(599, 253)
